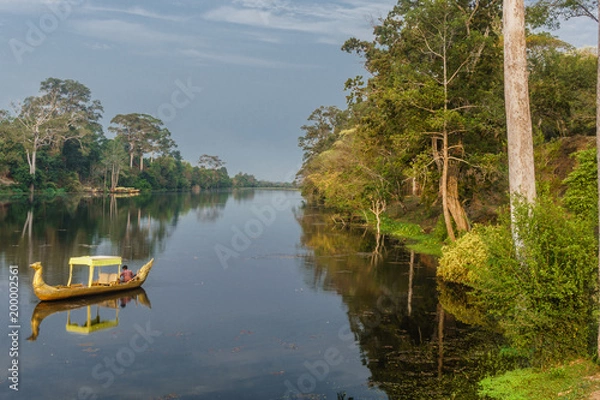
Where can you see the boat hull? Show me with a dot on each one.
(46, 292)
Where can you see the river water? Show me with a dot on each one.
(252, 296)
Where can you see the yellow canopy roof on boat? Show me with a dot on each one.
(95, 261)
(95, 326)
(92, 262)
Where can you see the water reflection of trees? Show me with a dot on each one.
(213, 208)
(413, 348)
(134, 227)
(243, 194)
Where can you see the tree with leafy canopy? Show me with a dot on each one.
(424, 99)
(144, 134)
(64, 111)
(326, 122)
(244, 180)
(213, 172)
(561, 87)
(114, 159)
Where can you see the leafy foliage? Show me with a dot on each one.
(462, 258)
(143, 134)
(541, 294)
(562, 88)
(581, 196)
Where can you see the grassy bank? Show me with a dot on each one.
(413, 235)
(573, 381)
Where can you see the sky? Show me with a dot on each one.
(231, 78)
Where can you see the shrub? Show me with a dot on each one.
(461, 257)
(541, 295)
(143, 185)
(581, 196)
(71, 183)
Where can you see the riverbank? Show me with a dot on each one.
(578, 380)
(413, 235)
(415, 225)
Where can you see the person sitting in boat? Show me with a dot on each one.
(127, 274)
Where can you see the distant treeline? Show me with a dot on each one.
(54, 141)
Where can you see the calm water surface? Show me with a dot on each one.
(252, 296)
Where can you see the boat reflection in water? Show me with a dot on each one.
(93, 321)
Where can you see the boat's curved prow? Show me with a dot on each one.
(145, 270)
(38, 281)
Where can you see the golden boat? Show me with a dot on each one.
(104, 283)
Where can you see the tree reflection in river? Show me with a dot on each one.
(413, 348)
(135, 228)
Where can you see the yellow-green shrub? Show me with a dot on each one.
(460, 259)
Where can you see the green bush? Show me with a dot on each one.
(143, 185)
(542, 294)
(71, 183)
(581, 196)
(462, 257)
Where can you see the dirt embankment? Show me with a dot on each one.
(554, 160)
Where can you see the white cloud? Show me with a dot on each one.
(138, 12)
(15, 5)
(118, 31)
(30, 6)
(262, 37)
(331, 22)
(98, 46)
(237, 59)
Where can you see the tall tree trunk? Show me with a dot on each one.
(114, 177)
(454, 205)
(446, 155)
(521, 170)
(31, 160)
(444, 189)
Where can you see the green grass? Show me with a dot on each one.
(413, 235)
(566, 382)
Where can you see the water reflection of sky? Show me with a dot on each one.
(234, 330)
